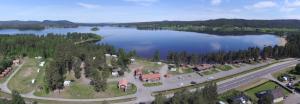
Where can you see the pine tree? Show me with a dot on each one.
(17, 98)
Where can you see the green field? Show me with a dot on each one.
(82, 91)
(181, 71)
(265, 86)
(210, 71)
(22, 79)
(148, 65)
(224, 67)
(152, 84)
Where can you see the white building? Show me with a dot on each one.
(42, 64)
(67, 83)
(115, 74)
(32, 81)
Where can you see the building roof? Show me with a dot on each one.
(123, 82)
(276, 93)
(150, 76)
(241, 99)
(138, 72)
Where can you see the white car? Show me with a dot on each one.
(211, 78)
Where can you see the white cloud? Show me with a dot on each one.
(262, 5)
(87, 5)
(290, 6)
(142, 2)
(216, 2)
(236, 10)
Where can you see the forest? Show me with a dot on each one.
(222, 26)
(65, 56)
(291, 49)
(36, 25)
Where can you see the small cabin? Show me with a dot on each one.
(123, 84)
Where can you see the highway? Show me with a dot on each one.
(144, 93)
(246, 79)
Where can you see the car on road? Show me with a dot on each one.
(181, 84)
(193, 82)
(211, 78)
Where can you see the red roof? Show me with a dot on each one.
(123, 82)
(151, 76)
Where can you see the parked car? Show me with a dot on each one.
(193, 82)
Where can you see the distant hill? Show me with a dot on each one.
(288, 23)
(36, 25)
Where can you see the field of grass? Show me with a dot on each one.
(210, 71)
(148, 65)
(181, 71)
(82, 91)
(265, 86)
(22, 80)
(152, 84)
(224, 67)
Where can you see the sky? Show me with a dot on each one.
(102, 11)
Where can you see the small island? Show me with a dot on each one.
(95, 29)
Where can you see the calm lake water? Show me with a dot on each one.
(145, 42)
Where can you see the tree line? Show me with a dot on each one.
(291, 49)
(222, 26)
(207, 95)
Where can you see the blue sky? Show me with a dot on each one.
(147, 10)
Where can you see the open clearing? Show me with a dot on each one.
(78, 90)
(262, 87)
(22, 80)
(224, 67)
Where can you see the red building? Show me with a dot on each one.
(150, 77)
(123, 84)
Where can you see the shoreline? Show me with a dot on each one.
(282, 41)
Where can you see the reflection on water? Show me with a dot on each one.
(145, 42)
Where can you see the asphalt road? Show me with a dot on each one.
(144, 93)
(246, 79)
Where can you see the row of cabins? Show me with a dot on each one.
(9, 69)
(152, 77)
(277, 96)
(200, 67)
(5, 72)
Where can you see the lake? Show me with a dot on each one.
(145, 42)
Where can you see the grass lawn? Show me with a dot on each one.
(149, 65)
(265, 86)
(22, 80)
(224, 67)
(152, 84)
(82, 91)
(210, 71)
(181, 71)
